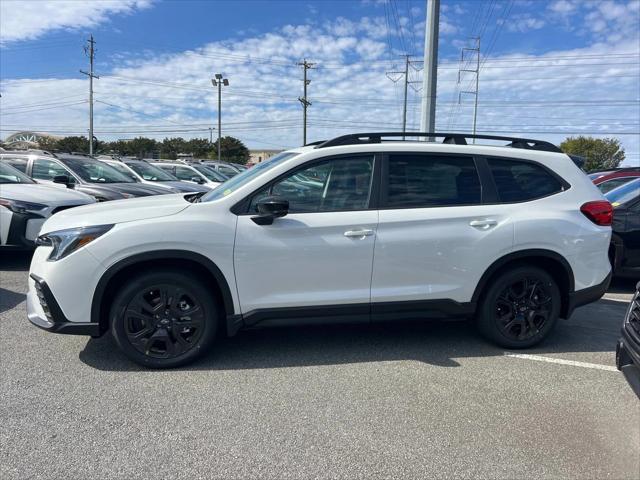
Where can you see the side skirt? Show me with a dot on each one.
(353, 313)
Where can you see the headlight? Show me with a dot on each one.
(17, 206)
(65, 242)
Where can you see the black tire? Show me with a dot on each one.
(164, 319)
(520, 307)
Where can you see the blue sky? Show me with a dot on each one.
(549, 68)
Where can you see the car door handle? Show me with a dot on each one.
(483, 224)
(365, 232)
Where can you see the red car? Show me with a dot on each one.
(615, 178)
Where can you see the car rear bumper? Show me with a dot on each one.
(587, 295)
(44, 312)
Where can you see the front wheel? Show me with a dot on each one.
(520, 308)
(163, 319)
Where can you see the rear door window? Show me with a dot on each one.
(47, 169)
(426, 180)
(518, 181)
(19, 163)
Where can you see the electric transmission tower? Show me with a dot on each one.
(90, 51)
(303, 100)
(476, 72)
(408, 63)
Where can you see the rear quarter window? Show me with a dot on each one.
(518, 181)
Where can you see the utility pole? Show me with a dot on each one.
(210, 134)
(428, 118)
(90, 50)
(305, 103)
(219, 82)
(475, 71)
(407, 63)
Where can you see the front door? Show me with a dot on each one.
(316, 261)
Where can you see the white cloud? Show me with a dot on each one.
(30, 19)
(524, 23)
(562, 7)
(171, 95)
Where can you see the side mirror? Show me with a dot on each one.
(65, 179)
(270, 208)
(198, 180)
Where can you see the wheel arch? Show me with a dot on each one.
(107, 286)
(552, 262)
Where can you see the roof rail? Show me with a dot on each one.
(453, 138)
(311, 144)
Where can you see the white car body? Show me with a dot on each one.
(20, 228)
(203, 180)
(125, 169)
(368, 264)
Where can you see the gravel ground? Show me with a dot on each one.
(402, 401)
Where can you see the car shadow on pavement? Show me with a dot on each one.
(9, 299)
(14, 260)
(594, 328)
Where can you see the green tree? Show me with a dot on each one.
(231, 150)
(600, 153)
(171, 147)
(48, 143)
(73, 144)
(141, 147)
(198, 147)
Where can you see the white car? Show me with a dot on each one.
(25, 205)
(353, 229)
(192, 172)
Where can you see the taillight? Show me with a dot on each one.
(599, 212)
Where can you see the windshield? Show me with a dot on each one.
(150, 172)
(125, 171)
(95, 171)
(210, 173)
(609, 185)
(8, 174)
(236, 182)
(623, 194)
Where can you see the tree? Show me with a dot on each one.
(600, 153)
(73, 144)
(198, 147)
(171, 147)
(47, 143)
(231, 150)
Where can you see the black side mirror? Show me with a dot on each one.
(270, 208)
(65, 179)
(198, 180)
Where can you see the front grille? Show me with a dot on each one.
(43, 302)
(633, 317)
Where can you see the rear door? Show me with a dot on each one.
(435, 236)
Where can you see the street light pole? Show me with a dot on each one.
(218, 81)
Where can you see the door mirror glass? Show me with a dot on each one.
(64, 179)
(270, 208)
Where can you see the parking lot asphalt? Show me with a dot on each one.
(410, 400)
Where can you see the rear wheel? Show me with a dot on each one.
(164, 319)
(520, 308)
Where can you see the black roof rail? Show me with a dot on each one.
(317, 142)
(452, 138)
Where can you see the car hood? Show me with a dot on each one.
(44, 194)
(117, 211)
(135, 189)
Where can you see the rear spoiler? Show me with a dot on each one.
(577, 159)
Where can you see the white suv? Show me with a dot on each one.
(354, 228)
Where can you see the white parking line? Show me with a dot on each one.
(616, 299)
(561, 361)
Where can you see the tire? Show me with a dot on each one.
(164, 319)
(520, 308)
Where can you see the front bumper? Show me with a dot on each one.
(24, 228)
(628, 358)
(44, 312)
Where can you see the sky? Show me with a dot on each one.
(548, 69)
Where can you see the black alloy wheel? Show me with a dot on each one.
(164, 319)
(520, 307)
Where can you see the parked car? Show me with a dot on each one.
(513, 236)
(616, 178)
(625, 241)
(628, 348)
(192, 172)
(142, 172)
(25, 205)
(223, 168)
(82, 173)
